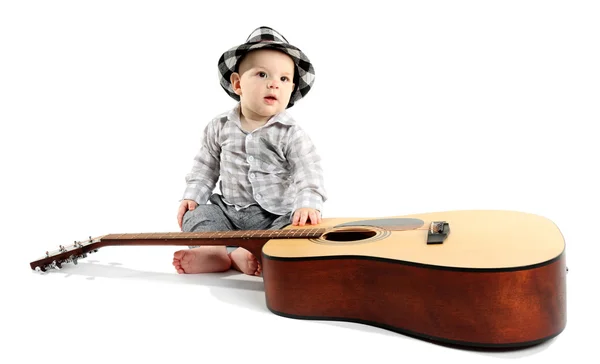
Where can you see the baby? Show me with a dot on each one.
(269, 170)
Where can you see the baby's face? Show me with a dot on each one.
(266, 82)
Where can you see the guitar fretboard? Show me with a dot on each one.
(243, 234)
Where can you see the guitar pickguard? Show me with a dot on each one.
(393, 224)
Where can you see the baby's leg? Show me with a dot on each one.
(203, 259)
(256, 219)
(244, 261)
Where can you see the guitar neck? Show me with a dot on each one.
(208, 238)
(251, 240)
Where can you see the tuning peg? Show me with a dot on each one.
(55, 265)
(41, 269)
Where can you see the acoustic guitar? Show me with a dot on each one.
(489, 279)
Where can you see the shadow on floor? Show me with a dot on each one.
(244, 291)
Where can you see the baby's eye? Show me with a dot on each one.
(284, 79)
(262, 74)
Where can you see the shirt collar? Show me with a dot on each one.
(283, 117)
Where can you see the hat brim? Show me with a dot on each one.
(305, 73)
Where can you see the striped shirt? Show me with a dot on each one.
(275, 166)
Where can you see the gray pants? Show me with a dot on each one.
(219, 216)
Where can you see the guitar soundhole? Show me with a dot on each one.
(352, 235)
(344, 236)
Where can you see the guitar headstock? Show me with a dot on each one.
(66, 254)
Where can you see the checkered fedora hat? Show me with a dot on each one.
(265, 37)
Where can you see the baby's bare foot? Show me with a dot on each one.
(245, 262)
(204, 259)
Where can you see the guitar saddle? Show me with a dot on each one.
(438, 232)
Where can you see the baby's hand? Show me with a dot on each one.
(301, 215)
(183, 207)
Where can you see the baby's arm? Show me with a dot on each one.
(202, 179)
(308, 177)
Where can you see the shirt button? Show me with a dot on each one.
(250, 158)
(258, 196)
(249, 136)
(252, 175)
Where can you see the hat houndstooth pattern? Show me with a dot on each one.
(265, 37)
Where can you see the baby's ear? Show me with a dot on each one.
(235, 83)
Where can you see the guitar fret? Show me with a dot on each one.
(237, 234)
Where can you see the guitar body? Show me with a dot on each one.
(497, 280)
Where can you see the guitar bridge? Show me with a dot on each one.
(438, 232)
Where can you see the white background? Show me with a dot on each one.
(417, 107)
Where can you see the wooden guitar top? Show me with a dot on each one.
(486, 239)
